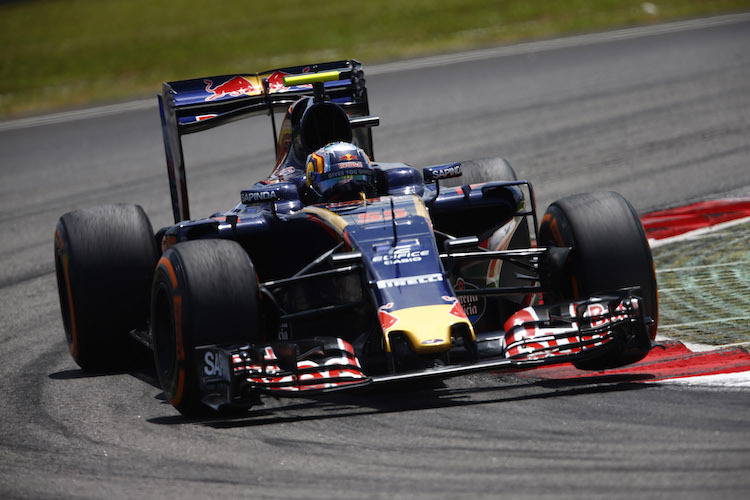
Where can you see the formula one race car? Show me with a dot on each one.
(337, 271)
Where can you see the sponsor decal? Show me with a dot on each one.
(442, 172)
(234, 87)
(595, 311)
(346, 169)
(387, 320)
(473, 305)
(238, 86)
(215, 365)
(457, 310)
(402, 254)
(447, 172)
(276, 80)
(409, 281)
(259, 196)
(286, 172)
(343, 204)
(382, 215)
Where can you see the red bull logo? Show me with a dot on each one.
(348, 157)
(239, 85)
(235, 87)
(276, 80)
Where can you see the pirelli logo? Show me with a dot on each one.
(409, 281)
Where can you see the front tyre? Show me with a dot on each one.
(104, 261)
(609, 251)
(204, 292)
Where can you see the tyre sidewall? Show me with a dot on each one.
(209, 291)
(171, 358)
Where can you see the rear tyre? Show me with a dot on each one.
(610, 251)
(204, 292)
(483, 170)
(104, 260)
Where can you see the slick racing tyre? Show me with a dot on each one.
(204, 292)
(104, 259)
(609, 251)
(483, 170)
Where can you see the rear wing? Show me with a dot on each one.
(189, 106)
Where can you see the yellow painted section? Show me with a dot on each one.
(426, 327)
(327, 76)
(337, 222)
(422, 210)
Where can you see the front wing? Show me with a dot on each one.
(534, 336)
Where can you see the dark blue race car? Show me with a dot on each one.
(338, 271)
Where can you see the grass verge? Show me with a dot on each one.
(65, 53)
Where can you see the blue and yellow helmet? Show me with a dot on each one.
(340, 172)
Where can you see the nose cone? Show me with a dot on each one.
(427, 328)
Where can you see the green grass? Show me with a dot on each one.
(62, 53)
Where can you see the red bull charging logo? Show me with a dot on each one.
(239, 85)
(276, 81)
(234, 87)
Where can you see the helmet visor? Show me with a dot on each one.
(327, 180)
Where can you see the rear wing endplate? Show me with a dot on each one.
(189, 106)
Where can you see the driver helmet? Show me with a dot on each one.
(340, 172)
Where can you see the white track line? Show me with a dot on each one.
(558, 43)
(654, 243)
(703, 266)
(68, 116)
(425, 62)
(719, 320)
(733, 380)
(726, 380)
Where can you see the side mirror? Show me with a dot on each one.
(447, 171)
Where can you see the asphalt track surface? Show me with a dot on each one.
(662, 118)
